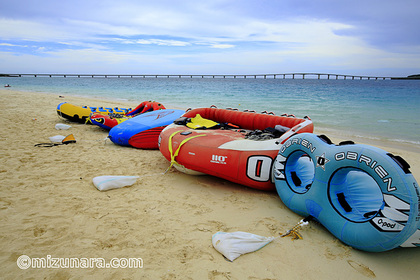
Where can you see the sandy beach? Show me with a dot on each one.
(49, 206)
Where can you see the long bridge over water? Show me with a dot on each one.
(231, 76)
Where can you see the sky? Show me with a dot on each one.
(358, 37)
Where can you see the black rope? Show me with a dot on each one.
(48, 145)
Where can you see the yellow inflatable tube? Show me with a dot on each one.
(81, 113)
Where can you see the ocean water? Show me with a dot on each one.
(375, 109)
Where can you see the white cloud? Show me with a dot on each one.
(9, 45)
(160, 42)
(31, 31)
(222, 46)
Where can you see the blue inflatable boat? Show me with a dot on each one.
(143, 131)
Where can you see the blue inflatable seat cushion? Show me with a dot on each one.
(355, 195)
(300, 172)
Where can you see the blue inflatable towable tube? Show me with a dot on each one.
(363, 195)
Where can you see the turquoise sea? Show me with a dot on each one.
(373, 109)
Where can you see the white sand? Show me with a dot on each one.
(49, 206)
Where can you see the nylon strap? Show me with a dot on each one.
(174, 155)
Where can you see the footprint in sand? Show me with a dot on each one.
(4, 203)
(215, 274)
(39, 231)
(361, 268)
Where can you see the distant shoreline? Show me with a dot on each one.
(411, 77)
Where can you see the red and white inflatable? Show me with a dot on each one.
(145, 106)
(228, 152)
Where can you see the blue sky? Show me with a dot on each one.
(360, 37)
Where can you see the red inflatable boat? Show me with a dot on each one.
(238, 146)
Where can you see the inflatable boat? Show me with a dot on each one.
(145, 106)
(143, 131)
(363, 195)
(81, 113)
(107, 121)
(110, 120)
(238, 146)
